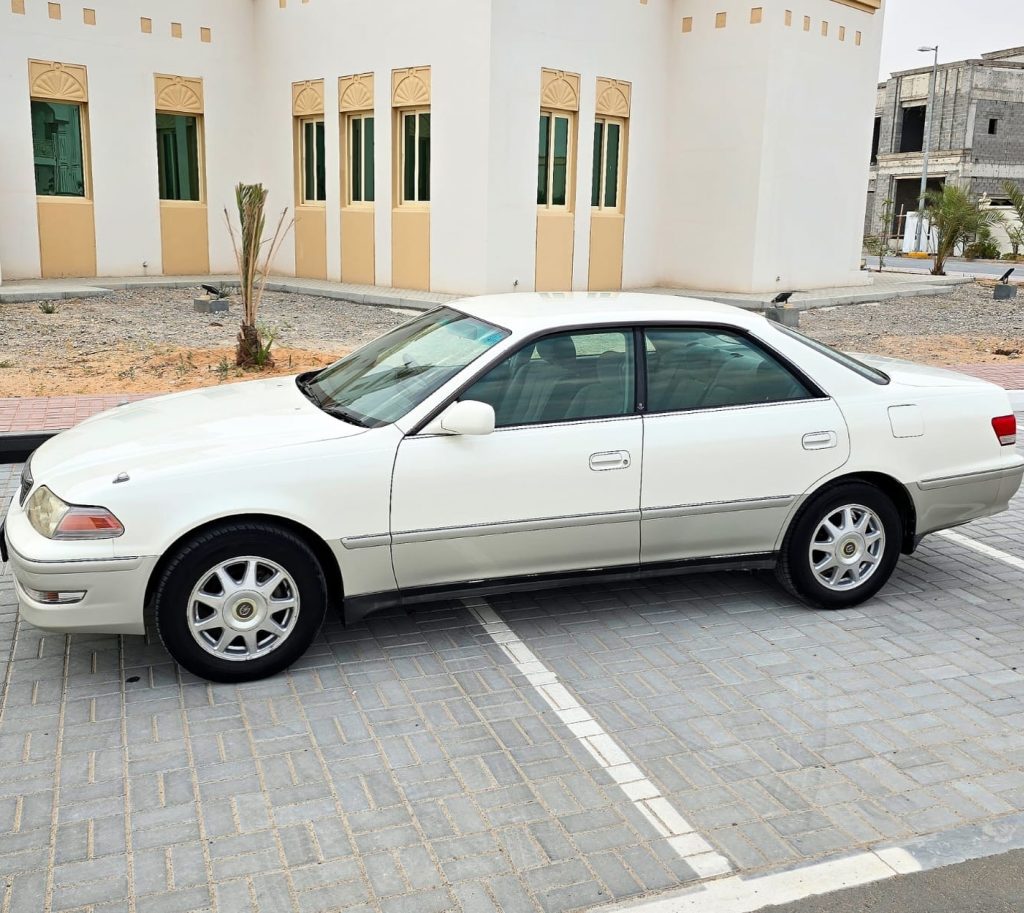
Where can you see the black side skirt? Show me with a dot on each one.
(356, 608)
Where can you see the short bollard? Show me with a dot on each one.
(787, 316)
(1004, 292)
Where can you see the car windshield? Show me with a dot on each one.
(845, 359)
(380, 382)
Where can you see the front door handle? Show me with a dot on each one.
(820, 440)
(609, 459)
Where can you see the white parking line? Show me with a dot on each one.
(744, 895)
(645, 796)
(982, 549)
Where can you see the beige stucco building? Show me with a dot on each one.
(457, 145)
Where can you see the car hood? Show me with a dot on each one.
(228, 422)
(912, 374)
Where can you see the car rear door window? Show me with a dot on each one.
(692, 368)
(562, 377)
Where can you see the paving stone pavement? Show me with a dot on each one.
(404, 765)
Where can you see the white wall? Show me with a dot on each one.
(748, 145)
(607, 38)
(121, 61)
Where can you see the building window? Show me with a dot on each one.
(606, 185)
(876, 136)
(360, 141)
(311, 156)
(912, 133)
(993, 126)
(554, 177)
(58, 149)
(415, 155)
(177, 151)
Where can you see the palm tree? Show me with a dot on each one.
(1014, 224)
(955, 217)
(253, 349)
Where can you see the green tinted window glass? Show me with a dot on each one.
(57, 149)
(356, 159)
(542, 160)
(308, 162)
(560, 165)
(611, 167)
(595, 185)
(409, 162)
(177, 153)
(368, 185)
(321, 164)
(423, 177)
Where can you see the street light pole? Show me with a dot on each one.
(927, 145)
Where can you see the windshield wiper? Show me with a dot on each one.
(305, 384)
(344, 414)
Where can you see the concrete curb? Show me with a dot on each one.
(944, 287)
(422, 302)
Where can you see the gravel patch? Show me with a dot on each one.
(146, 317)
(964, 327)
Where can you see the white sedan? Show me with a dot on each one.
(498, 443)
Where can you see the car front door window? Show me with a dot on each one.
(560, 378)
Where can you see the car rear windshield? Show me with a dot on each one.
(382, 381)
(847, 361)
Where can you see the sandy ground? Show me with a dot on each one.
(151, 340)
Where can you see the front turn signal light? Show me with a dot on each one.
(88, 523)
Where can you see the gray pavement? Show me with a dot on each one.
(408, 764)
(991, 885)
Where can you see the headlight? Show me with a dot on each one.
(26, 481)
(54, 518)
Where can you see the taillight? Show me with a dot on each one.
(1005, 427)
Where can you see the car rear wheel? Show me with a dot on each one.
(240, 602)
(842, 547)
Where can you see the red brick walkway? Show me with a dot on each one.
(54, 413)
(20, 415)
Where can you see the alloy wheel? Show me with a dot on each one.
(847, 547)
(243, 608)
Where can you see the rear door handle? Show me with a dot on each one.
(820, 440)
(609, 459)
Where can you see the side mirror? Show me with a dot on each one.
(468, 417)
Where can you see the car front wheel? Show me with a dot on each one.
(240, 602)
(842, 547)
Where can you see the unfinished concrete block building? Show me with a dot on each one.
(977, 133)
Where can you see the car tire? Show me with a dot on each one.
(240, 601)
(842, 547)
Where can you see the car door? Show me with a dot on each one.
(732, 437)
(555, 487)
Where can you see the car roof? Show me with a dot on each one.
(530, 312)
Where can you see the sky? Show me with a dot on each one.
(961, 29)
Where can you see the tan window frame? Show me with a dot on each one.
(347, 120)
(305, 198)
(570, 159)
(623, 125)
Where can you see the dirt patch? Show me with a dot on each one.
(152, 341)
(160, 370)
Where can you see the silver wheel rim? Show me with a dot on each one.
(243, 608)
(847, 547)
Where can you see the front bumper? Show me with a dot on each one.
(115, 591)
